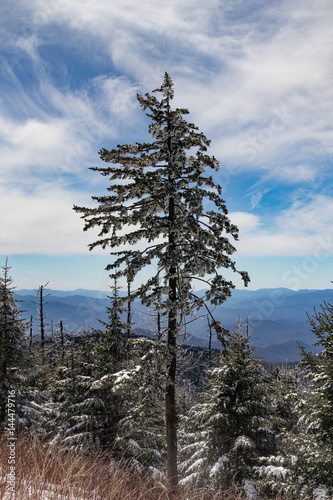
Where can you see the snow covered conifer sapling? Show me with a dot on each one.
(224, 435)
(12, 330)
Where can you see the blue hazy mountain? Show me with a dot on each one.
(277, 318)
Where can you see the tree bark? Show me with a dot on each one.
(30, 332)
(210, 345)
(170, 395)
(41, 320)
(129, 316)
(62, 340)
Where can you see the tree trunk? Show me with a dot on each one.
(30, 337)
(62, 340)
(129, 316)
(41, 320)
(210, 345)
(170, 396)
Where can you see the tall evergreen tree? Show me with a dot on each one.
(12, 330)
(159, 194)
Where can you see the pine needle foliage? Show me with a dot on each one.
(73, 419)
(224, 435)
(12, 330)
(86, 413)
(140, 433)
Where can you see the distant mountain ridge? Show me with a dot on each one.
(277, 317)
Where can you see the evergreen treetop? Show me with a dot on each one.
(158, 193)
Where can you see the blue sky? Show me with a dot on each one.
(257, 78)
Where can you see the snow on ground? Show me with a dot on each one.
(49, 492)
(321, 494)
(251, 492)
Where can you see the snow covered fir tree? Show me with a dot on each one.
(17, 363)
(12, 331)
(140, 431)
(86, 414)
(223, 436)
(157, 194)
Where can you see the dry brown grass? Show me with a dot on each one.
(73, 476)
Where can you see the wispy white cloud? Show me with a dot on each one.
(66, 139)
(299, 230)
(311, 214)
(256, 198)
(40, 223)
(257, 92)
(294, 174)
(246, 222)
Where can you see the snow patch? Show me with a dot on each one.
(243, 442)
(219, 465)
(271, 470)
(320, 494)
(250, 491)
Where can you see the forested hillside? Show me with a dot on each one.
(277, 318)
(102, 389)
